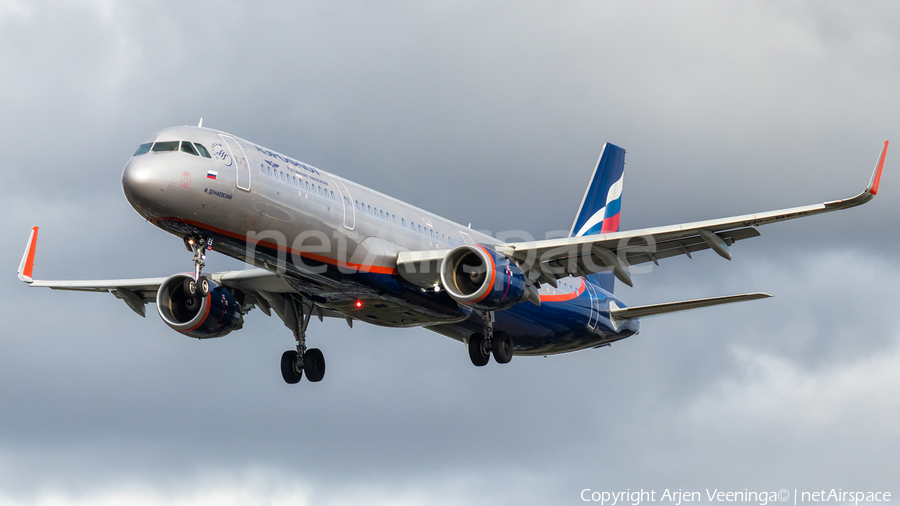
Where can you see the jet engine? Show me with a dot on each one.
(215, 315)
(482, 278)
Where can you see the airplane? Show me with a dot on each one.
(317, 244)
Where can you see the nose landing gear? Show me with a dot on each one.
(198, 285)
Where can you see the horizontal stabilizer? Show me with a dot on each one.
(627, 313)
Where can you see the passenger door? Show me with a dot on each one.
(241, 164)
(349, 209)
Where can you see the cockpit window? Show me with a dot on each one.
(165, 146)
(202, 150)
(143, 148)
(187, 147)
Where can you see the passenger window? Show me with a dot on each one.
(420, 229)
(394, 218)
(143, 148)
(187, 147)
(282, 176)
(165, 146)
(370, 209)
(203, 152)
(357, 204)
(307, 185)
(382, 214)
(403, 221)
(443, 238)
(332, 196)
(295, 179)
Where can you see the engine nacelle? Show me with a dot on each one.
(482, 278)
(215, 315)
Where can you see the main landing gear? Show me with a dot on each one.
(294, 362)
(483, 344)
(197, 285)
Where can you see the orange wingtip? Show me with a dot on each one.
(26, 268)
(876, 177)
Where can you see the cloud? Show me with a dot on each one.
(776, 392)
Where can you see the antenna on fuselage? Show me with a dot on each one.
(200, 125)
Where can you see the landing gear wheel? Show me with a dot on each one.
(196, 288)
(314, 364)
(289, 370)
(190, 287)
(477, 352)
(502, 347)
(203, 286)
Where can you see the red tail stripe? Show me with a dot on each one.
(610, 224)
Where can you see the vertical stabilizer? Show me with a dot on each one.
(602, 203)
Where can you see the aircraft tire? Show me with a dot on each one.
(289, 372)
(477, 353)
(314, 364)
(502, 347)
(190, 287)
(203, 286)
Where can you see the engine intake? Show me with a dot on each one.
(215, 315)
(482, 278)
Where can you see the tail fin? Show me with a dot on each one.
(602, 203)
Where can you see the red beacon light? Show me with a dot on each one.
(358, 303)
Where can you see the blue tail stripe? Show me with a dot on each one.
(614, 207)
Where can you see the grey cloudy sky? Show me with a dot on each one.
(490, 113)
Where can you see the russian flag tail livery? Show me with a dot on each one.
(602, 203)
(599, 211)
(26, 266)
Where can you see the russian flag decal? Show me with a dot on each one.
(211, 174)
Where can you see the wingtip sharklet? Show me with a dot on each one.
(26, 266)
(876, 175)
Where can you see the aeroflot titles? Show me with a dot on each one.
(286, 159)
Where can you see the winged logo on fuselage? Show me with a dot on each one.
(221, 154)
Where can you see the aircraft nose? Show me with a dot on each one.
(141, 185)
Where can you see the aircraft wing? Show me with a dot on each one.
(546, 261)
(261, 288)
